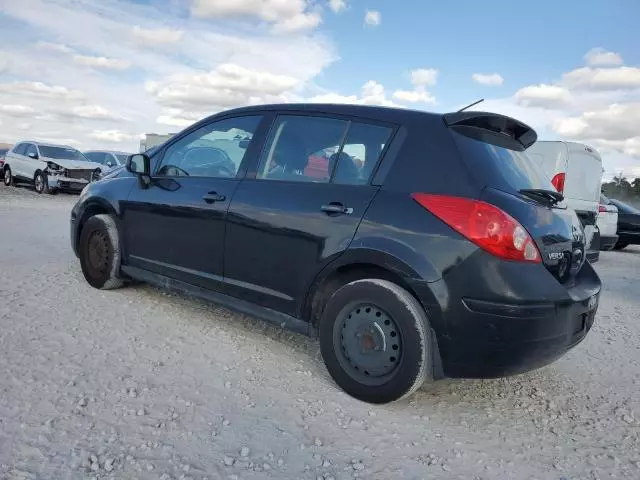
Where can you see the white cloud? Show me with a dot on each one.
(424, 77)
(601, 57)
(156, 36)
(543, 95)
(227, 86)
(17, 110)
(372, 93)
(91, 112)
(113, 136)
(101, 62)
(284, 15)
(337, 5)
(54, 47)
(372, 18)
(414, 96)
(39, 89)
(490, 79)
(618, 122)
(603, 78)
(81, 101)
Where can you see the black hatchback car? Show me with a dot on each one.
(415, 245)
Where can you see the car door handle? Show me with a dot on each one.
(213, 197)
(336, 208)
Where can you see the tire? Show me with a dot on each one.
(40, 183)
(376, 325)
(99, 252)
(8, 178)
(620, 246)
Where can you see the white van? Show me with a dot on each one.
(575, 170)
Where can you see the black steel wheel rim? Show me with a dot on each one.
(368, 343)
(98, 254)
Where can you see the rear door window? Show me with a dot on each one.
(321, 149)
(299, 148)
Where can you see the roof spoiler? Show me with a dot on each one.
(492, 124)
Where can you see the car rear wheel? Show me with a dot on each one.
(8, 178)
(99, 250)
(375, 341)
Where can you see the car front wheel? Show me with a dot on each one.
(99, 252)
(375, 341)
(40, 183)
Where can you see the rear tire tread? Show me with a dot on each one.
(406, 381)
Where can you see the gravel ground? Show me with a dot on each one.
(137, 383)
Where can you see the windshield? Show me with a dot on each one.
(501, 167)
(61, 153)
(122, 159)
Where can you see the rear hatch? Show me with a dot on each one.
(493, 149)
(583, 181)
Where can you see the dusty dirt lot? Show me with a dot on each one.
(136, 383)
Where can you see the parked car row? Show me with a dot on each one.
(51, 168)
(627, 223)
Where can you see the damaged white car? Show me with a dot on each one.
(49, 168)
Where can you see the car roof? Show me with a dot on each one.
(107, 151)
(46, 144)
(389, 114)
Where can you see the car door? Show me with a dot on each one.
(16, 160)
(299, 207)
(31, 161)
(176, 226)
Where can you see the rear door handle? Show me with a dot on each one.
(336, 208)
(213, 197)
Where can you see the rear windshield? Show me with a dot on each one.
(61, 153)
(501, 167)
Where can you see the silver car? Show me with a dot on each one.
(110, 159)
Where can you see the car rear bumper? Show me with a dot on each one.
(629, 238)
(507, 335)
(607, 242)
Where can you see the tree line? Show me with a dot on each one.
(622, 189)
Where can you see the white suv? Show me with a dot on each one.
(49, 167)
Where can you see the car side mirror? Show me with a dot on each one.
(139, 164)
(109, 163)
(33, 155)
(243, 144)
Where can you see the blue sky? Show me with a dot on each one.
(99, 73)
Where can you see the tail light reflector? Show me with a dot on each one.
(484, 224)
(558, 182)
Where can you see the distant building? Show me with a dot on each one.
(153, 139)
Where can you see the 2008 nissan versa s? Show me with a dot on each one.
(415, 245)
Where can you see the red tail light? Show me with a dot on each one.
(558, 182)
(602, 208)
(484, 224)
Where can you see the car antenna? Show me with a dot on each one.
(469, 106)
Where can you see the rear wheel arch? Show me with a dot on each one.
(330, 280)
